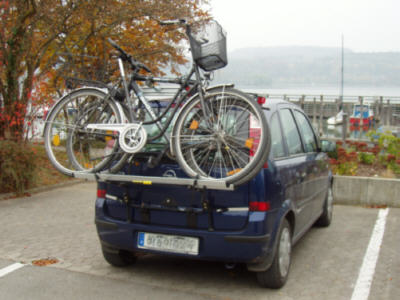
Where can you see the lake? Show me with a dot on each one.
(327, 90)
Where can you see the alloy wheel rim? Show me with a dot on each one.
(284, 252)
(329, 207)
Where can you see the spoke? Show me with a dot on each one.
(195, 145)
(233, 161)
(236, 155)
(205, 157)
(230, 158)
(212, 166)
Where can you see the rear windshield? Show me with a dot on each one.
(153, 130)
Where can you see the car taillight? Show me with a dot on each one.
(261, 100)
(101, 193)
(254, 137)
(259, 206)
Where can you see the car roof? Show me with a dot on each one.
(272, 104)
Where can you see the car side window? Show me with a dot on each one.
(291, 133)
(307, 132)
(276, 138)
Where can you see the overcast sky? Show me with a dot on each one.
(367, 25)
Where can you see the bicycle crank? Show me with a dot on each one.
(132, 137)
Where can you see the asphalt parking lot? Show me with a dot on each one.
(328, 263)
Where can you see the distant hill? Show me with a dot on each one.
(291, 66)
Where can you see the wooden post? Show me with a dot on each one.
(314, 111)
(380, 109)
(390, 113)
(344, 128)
(321, 115)
(361, 100)
(302, 101)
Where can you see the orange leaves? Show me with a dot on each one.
(69, 39)
(44, 262)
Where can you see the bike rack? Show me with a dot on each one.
(149, 180)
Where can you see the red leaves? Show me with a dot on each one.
(390, 157)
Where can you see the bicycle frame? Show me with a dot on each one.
(178, 98)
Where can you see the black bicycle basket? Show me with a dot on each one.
(208, 46)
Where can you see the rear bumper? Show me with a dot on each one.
(250, 245)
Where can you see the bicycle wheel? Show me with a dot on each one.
(230, 142)
(69, 144)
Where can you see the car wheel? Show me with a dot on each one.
(326, 218)
(118, 258)
(276, 276)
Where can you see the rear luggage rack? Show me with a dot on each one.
(149, 180)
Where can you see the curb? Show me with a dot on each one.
(45, 188)
(353, 190)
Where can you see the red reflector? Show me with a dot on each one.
(101, 193)
(259, 206)
(265, 166)
(261, 100)
(253, 206)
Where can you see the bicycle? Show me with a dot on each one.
(218, 133)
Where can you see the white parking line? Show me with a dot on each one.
(364, 281)
(10, 268)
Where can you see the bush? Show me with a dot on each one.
(17, 167)
(367, 158)
(346, 162)
(389, 145)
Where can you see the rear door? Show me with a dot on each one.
(294, 168)
(316, 181)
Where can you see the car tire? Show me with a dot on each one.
(276, 276)
(326, 217)
(119, 258)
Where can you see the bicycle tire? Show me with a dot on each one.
(69, 146)
(232, 145)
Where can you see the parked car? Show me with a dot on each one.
(256, 224)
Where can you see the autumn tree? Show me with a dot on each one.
(37, 38)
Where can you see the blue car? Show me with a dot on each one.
(256, 223)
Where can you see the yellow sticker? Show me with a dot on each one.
(56, 140)
(146, 182)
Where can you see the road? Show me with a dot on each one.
(59, 224)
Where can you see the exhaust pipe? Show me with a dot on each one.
(230, 266)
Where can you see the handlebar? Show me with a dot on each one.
(136, 65)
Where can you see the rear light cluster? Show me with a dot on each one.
(259, 206)
(261, 100)
(254, 136)
(101, 193)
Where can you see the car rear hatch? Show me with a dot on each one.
(175, 205)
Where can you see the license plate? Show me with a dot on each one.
(168, 243)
